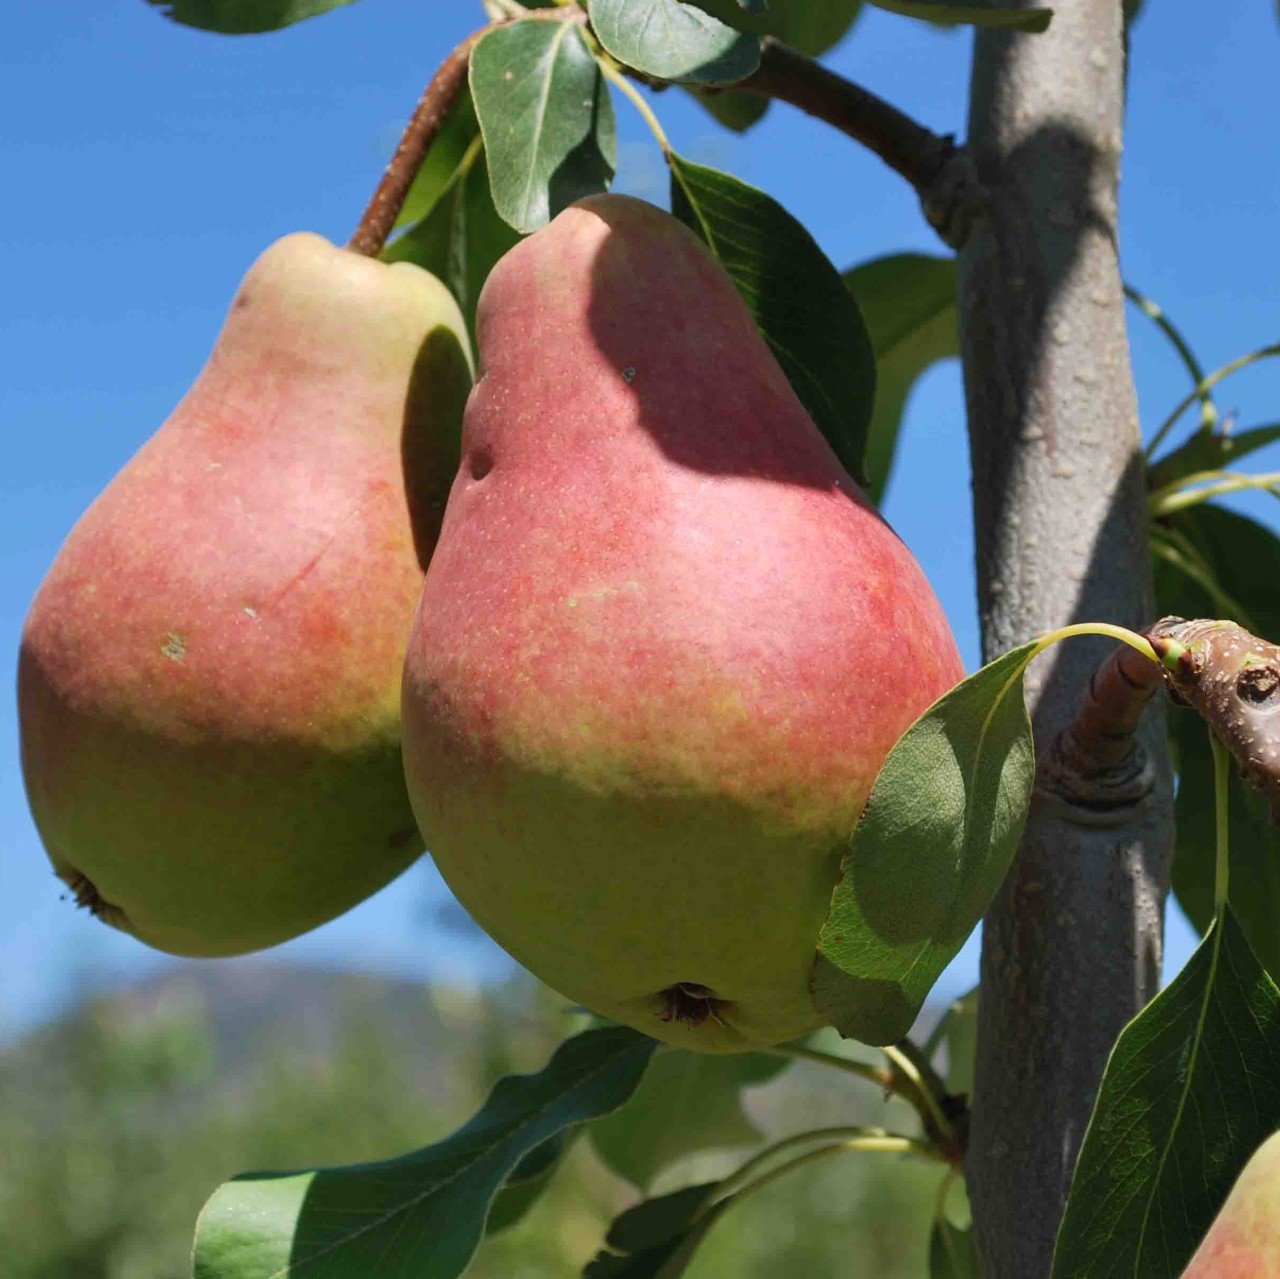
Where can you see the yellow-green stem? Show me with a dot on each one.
(1184, 493)
(740, 1185)
(609, 67)
(1121, 633)
(873, 1074)
(1204, 385)
(910, 1070)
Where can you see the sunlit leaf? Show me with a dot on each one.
(546, 117)
(421, 1215)
(1191, 1089)
(908, 301)
(688, 1102)
(931, 849)
(243, 17)
(809, 26)
(809, 319)
(673, 41)
(1210, 451)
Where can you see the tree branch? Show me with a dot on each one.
(1071, 946)
(931, 162)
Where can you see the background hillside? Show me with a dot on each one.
(117, 1120)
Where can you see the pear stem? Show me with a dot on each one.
(429, 117)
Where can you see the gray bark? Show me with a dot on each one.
(1072, 945)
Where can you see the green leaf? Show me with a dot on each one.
(957, 1031)
(1209, 451)
(1191, 1089)
(526, 1183)
(688, 1102)
(930, 851)
(424, 1213)
(809, 319)
(990, 14)
(439, 170)
(546, 117)
(1242, 560)
(908, 301)
(736, 111)
(952, 1252)
(810, 26)
(1255, 845)
(461, 237)
(242, 17)
(657, 1239)
(673, 41)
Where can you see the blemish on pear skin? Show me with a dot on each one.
(691, 1004)
(85, 893)
(173, 647)
(629, 374)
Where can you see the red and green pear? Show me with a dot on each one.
(1244, 1240)
(664, 644)
(209, 683)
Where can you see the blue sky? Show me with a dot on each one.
(146, 165)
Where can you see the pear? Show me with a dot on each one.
(209, 682)
(1244, 1240)
(664, 644)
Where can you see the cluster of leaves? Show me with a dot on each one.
(536, 132)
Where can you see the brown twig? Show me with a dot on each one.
(433, 110)
(1228, 675)
(939, 171)
(1232, 679)
(1096, 764)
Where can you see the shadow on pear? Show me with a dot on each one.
(664, 644)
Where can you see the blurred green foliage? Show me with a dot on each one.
(117, 1122)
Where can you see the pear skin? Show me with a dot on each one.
(1244, 1240)
(209, 680)
(664, 644)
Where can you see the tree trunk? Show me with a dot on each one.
(1072, 945)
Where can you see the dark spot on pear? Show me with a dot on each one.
(85, 893)
(690, 1003)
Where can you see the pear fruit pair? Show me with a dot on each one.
(209, 680)
(664, 643)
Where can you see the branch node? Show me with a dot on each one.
(1096, 768)
(1231, 678)
(954, 199)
